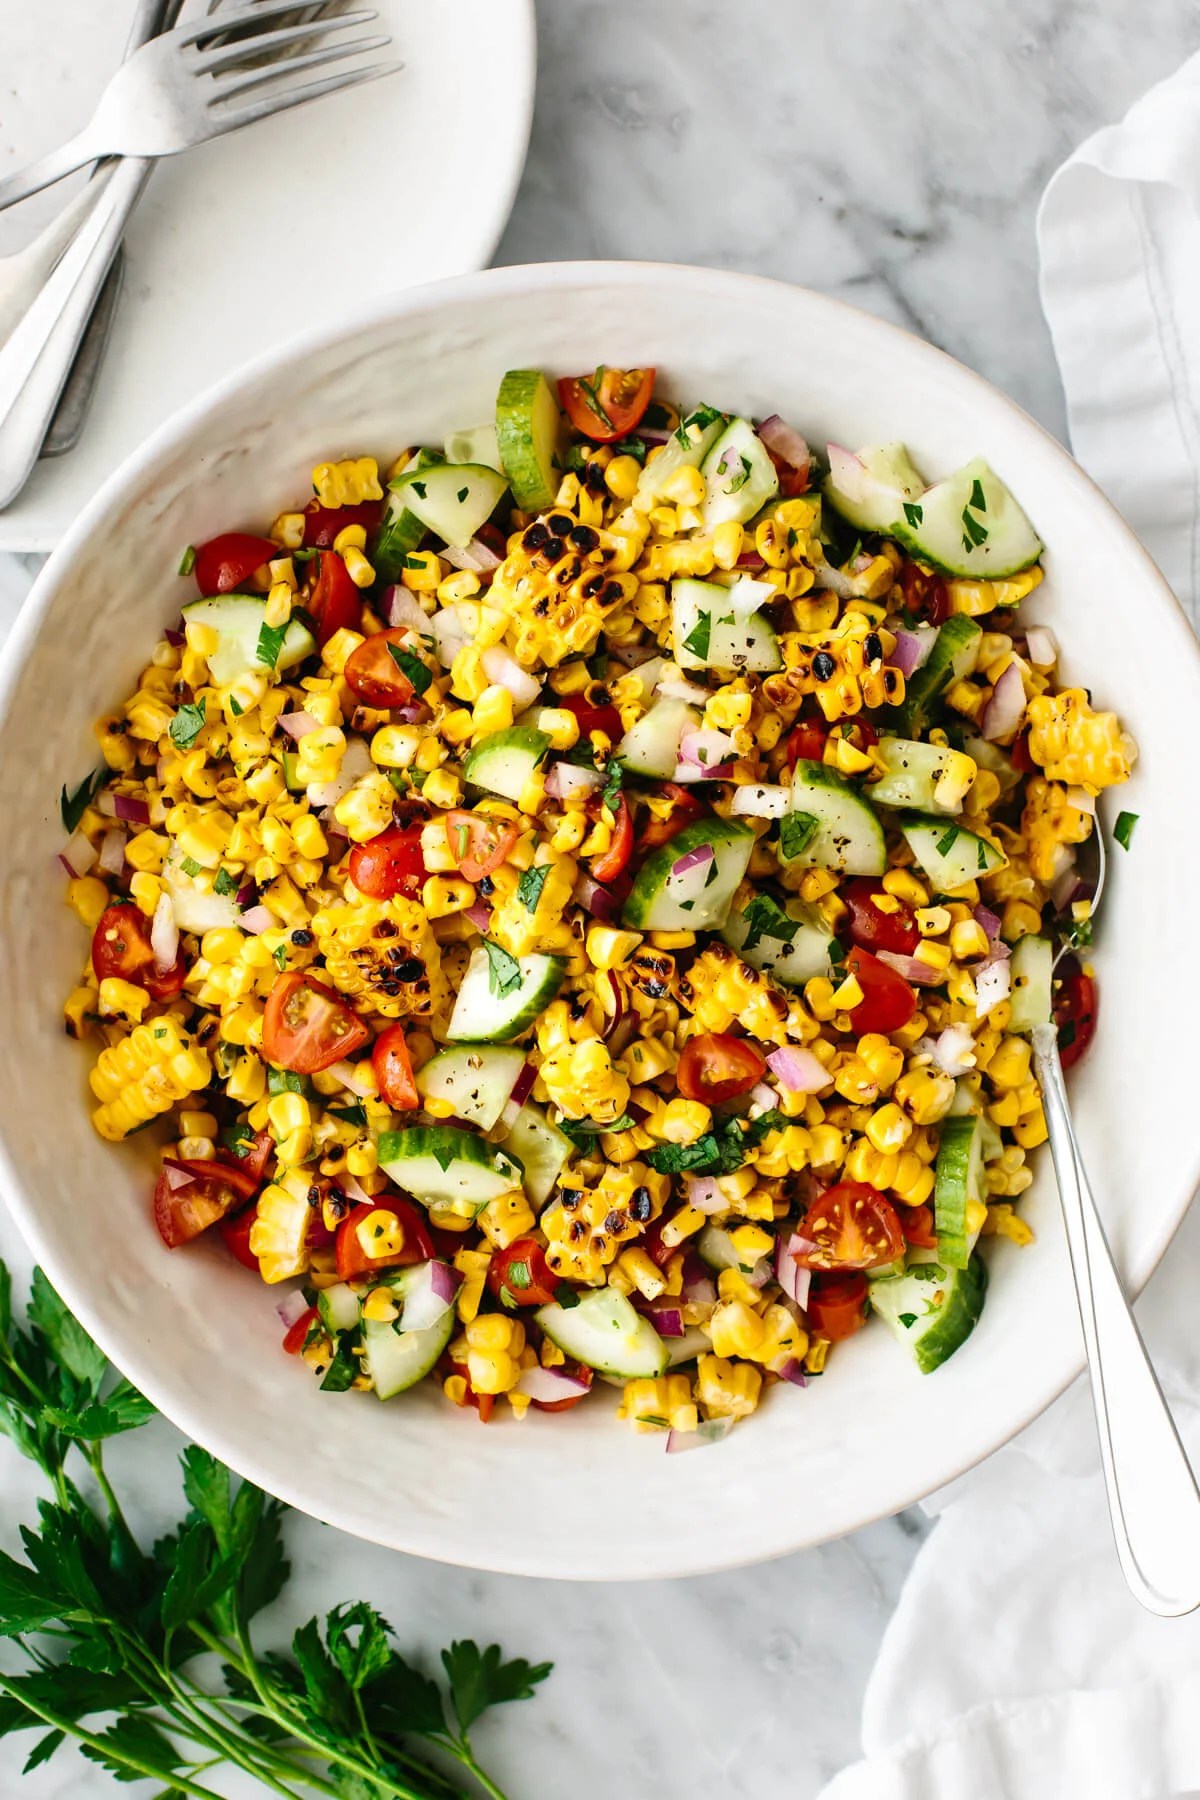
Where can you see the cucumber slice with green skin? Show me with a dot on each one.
(475, 1082)
(686, 448)
(830, 825)
(238, 620)
(1031, 1000)
(541, 1148)
(698, 899)
(739, 475)
(443, 1164)
(793, 952)
(953, 657)
(605, 1332)
(452, 499)
(485, 1014)
(959, 1180)
(527, 430)
(503, 762)
(339, 1308)
(396, 1360)
(479, 444)
(687, 1348)
(969, 525)
(400, 534)
(913, 770)
(933, 1314)
(716, 1248)
(870, 490)
(291, 780)
(949, 854)
(651, 746)
(709, 631)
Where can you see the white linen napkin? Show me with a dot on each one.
(1017, 1666)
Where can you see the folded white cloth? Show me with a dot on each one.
(1017, 1666)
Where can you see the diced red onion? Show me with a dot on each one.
(616, 1012)
(413, 712)
(506, 672)
(596, 899)
(654, 434)
(355, 763)
(748, 596)
(78, 854)
(751, 560)
(66, 865)
(133, 812)
(349, 1184)
(700, 1291)
(675, 687)
(247, 894)
(297, 723)
(786, 443)
(912, 648)
(761, 801)
(1006, 708)
(709, 1431)
(990, 923)
(565, 779)
(763, 1095)
(708, 749)
(1042, 646)
(847, 471)
(428, 1295)
(1082, 801)
(912, 969)
(106, 803)
(692, 859)
(686, 771)
(549, 1385)
(993, 983)
(291, 1308)
(953, 1051)
(176, 639)
(345, 1073)
(164, 934)
(480, 916)
(791, 1277)
(1067, 886)
(799, 1071)
(451, 631)
(793, 1370)
(704, 1194)
(666, 1318)
(177, 1176)
(632, 656)
(522, 1087)
(400, 609)
(477, 556)
(112, 851)
(256, 919)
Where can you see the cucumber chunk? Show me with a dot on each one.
(870, 490)
(651, 745)
(605, 1332)
(950, 854)
(912, 773)
(698, 898)
(527, 429)
(238, 620)
(445, 1164)
(400, 533)
(1032, 967)
(452, 499)
(970, 525)
(502, 995)
(503, 762)
(686, 448)
(739, 475)
(959, 1172)
(711, 628)
(398, 1359)
(475, 1082)
(952, 659)
(479, 444)
(339, 1308)
(932, 1309)
(791, 947)
(291, 778)
(541, 1148)
(830, 825)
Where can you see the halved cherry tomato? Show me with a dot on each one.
(252, 1162)
(322, 523)
(235, 1232)
(888, 1001)
(872, 926)
(226, 561)
(609, 864)
(837, 1305)
(602, 717)
(651, 1241)
(477, 843)
(852, 1226)
(792, 481)
(307, 1026)
(607, 405)
(806, 741)
(685, 806)
(373, 672)
(716, 1066)
(925, 595)
(353, 1260)
(1019, 753)
(580, 1372)
(334, 601)
(521, 1271)
(1074, 1011)
(121, 947)
(484, 1404)
(393, 1069)
(191, 1196)
(389, 864)
(293, 1339)
(916, 1222)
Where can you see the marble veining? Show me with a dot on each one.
(891, 152)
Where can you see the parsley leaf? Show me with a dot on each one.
(355, 1114)
(696, 423)
(280, 955)
(948, 840)
(225, 883)
(766, 919)
(974, 533)
(737, 481)
(480, 1679)
(796, 832)
(913, 513)
(530, 885)
(584, 1132)
(190, 867)
(504, 971)
(285, 1081)
(187, 725)
(1123, 829)
(908, 1320)
(977, 500)
(720, 1151)
(591, 393)
(700, 636)
(270, 643)
(614, 774)
(73, 806)
(411, 666)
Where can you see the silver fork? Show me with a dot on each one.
(157, 104)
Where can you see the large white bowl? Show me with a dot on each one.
(580, 1495)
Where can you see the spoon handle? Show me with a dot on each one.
(1153, 1499)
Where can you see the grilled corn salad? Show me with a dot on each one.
(577, 901)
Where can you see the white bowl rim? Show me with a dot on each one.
(564, 277)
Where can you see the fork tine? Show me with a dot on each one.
(233, 18)
(228, 56)
(229, 89)
(300, 96)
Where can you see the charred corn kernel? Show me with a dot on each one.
(906, 887)
(1075, 745)
(735, 1329)
(279, 1234)
(278, 609)
(686, 487)
(144, 1075)
(362, 1159)
(932, 921)
(847, 995)
(644, 1273)
(319, 755)
(195, 1149)
(288, 530)
(683, 1121)
(608, 948)
(1030, 1130)
(976, 1214)
(442, 788)
(422, 571)
(248, 1081)
(87, 897)
(889, 1129)
(461, 584)
(884, 1059)
(662, 1403)
(506, 1218)
(444, 894)
(493, 711)
(925, 1095)
(380, 1305)
(395, 746)
(366, 809)
(727, 539)
(347, 483)
(380, 1234)
(683, 1224)
(1009, 1066)
(968, 940)
(1002, 1221)
(472, 1265)
(727, 1390)
(621, 477)
(340, 648)
(122, 999)
(953, 780)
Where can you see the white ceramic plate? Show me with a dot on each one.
(294, 223)
(580, 1495)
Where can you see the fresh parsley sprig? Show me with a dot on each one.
(111, 1631)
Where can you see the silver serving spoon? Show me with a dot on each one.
(1153, 1499)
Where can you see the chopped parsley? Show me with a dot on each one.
(631, 446)
(355, 1114)
(462, 494)
(285, 1081)
(737, 482)
(235, 706)
(913, 513)
(908, 1320)
(187, 725)
(584, 1132)
(190, 867)
(225, 883)
(591, 394)
(565, 1296)
(419, 489)
(412, 562)
(796, 832)
(700, 636)
(765, 919)
(504, 971)
(977, 499)
(610, 792)
(695, 424)
(974, 533)
(529, 887)
(411, 667)
(73, 806)
(270, 643)
(948, 840)
(981, 861)
(280, 955)
(187, 561)
(1123, 829)
(719, 1152)
(238, 1138)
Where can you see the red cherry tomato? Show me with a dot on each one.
(322, 523)
(685, 807)
(603, 717)
(888, 1001)
(191, 1196)
(484, 1404)
(294, 1336)
(878, 921)
(334, 601)
(389, 864)
(226, 561)
(235, 1232)
(717, 1066)
(609, 864)
(852, 1226)
(806, 741)
(252, 1162)
(837, 1305)
(373, 672)
(925, 595)
(1019, 753)
(521, 1271)
(792, 481)
(353, 1260)
(1074, 1011)
(478, 844)
(121, 947)
(916, 1222)
(651, 1242)
(393, 1069)
(580, 1372)
(608, 404)
(307, 1026)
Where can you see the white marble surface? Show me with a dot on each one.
(891, 152)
